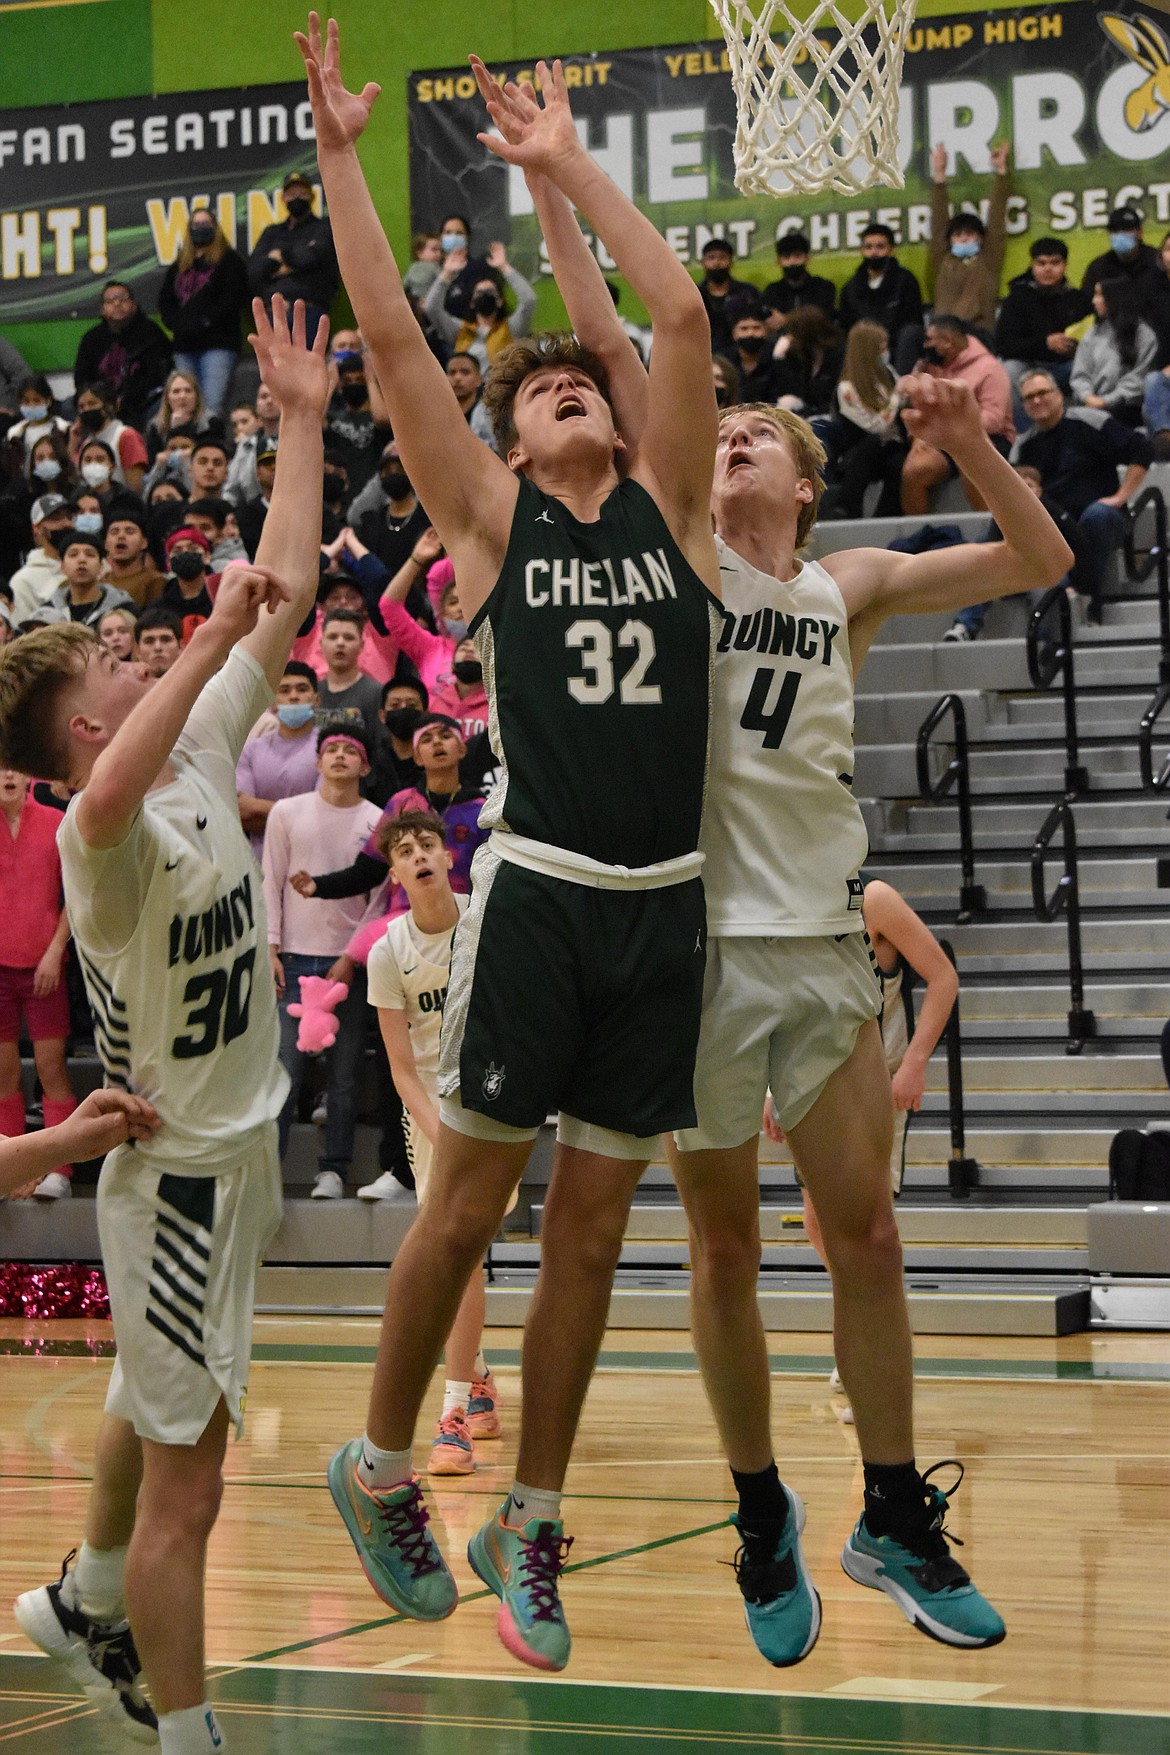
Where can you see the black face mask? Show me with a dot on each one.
(723, 397)
(719, 276)
(334, 487)
(298, 207)
(468, 670)
(401, 721)
(485, 304)
(932, 356)
(354, 395)
(395, 484)
(794, 273)
(187, 565)
(752, 345)
(202, 235)
(92, 419)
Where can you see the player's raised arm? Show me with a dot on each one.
(469, 494)
(575, 268)
(290, 543)
(677, 448)
(877, 583)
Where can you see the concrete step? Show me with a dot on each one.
(795, 1255)
(1090, 1071)
(1142, 940)
(1117, 881)
(999, 665)
(1021, 1146)
(1044, 708)
(1048, 1002)
(955, 1223)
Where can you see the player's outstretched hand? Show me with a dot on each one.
(296, 374)
(244, 590)
(104, 1120)
(537, 137)
(339, 116)
(941, 412)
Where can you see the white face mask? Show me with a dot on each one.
(94, 474)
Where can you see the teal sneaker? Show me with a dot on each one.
(780, 1602)
(522, 1567)
(396, 1549)
(925, 1580)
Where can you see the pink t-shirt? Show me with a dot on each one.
(30, 883)
(307, 834)
(379, 654)
(470, 711)
(430, 653)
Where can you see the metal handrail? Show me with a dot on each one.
(1156, 557)
(972, 896)
(1045, 663)
(1150, 717)
(1065, 899)
(962, 1171)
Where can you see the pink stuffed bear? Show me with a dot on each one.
(320, 998)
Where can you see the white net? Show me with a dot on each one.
(817, 103)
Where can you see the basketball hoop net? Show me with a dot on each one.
(817, 106)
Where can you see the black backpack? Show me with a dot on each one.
(1139, 1166)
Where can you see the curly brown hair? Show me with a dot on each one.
(535, 353)
(35, 670)
(410, 822)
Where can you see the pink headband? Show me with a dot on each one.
(342, 737)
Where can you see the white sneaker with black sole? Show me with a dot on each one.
(54, 1186)
(958, 632)
(101, 1660)
(328, 1186)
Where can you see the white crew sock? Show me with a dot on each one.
(525, 1503)
(194, 1731)
(98, 1582)
(481, 1367)
(455, 1397)
(383, 1469)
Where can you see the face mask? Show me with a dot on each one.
(334, 486)
(932, 356)
(485, 304)
(1122, 243)
(294, 714)
(176, 459)
(92, 419)
(88, 523)
(401, 722)
(395, 484)
(353, 395)
(751, 344)
(452, 241)
(202, 235)
(34, 411)
(95, 473)
(884, 356)
(719, 276)
(794, 273)
(48, 469)
(455, 630)
(299, 206)
(468, 670)
(965, 248)
(187, 565)
(722, 397)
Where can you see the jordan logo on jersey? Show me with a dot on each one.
(493, 1081)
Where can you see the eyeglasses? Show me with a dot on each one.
(118, 299)
(1037, 395)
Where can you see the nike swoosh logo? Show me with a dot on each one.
(200, 822)
(171, 864)
(503, 1567)
(411, 970)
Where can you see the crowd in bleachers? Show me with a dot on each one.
(121, 505)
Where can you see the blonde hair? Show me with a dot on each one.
(807, 453)
(164, 417)
(213, 253)
(535, 353)
(35, 671)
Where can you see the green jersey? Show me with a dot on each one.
(597, 643)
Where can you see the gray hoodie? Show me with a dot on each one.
(1097, 369)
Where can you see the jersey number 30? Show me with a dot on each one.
(773, 722)
(226, 995)
(594, 641)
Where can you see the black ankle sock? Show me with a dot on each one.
(894, 1497)
(763, 1503)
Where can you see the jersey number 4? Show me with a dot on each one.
(219, 1000)
(773, 722)
(595, 642)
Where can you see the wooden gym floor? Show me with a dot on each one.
(1065, 1513)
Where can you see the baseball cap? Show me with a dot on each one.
(1124, 219)
(793, 244)
(46, 506)
(186, 533)
(292, 178)
(265, 448)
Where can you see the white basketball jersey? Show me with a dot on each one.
(408, 971)
(172, 937)
(783, 835)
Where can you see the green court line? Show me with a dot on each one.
(477, 1595)
(781, 1364)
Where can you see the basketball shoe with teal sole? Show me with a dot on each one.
(922, 1576)
(399, 1555)
(780, 1602)
(522, 1566)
